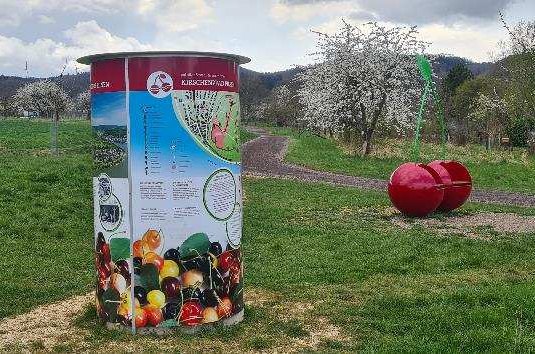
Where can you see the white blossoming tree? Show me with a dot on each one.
(518, 62)
(489, 113)
(47, 99)
(44, 97)
(518, 54)
(281, 106)
(83, 103)
(363, 75)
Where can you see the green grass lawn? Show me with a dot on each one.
(390, 289)
(46, 214)
(499, 169)
(33, 137)
(321, 261)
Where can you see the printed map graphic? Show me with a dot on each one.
(212, 118)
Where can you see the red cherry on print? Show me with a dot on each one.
(166, 87)
(191, 314)
(235, 272)
(225, 260)
(154, 89)
(105, 252)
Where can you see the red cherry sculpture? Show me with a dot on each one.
(415, 189)
(457, 182)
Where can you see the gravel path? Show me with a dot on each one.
(263, 157)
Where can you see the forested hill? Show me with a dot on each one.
(443, 65)
(257, 84)
(73, 84)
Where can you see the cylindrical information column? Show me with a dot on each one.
(167, 188)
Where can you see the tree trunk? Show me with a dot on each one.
(368, 132)
(531, 147)
(54, 137)
(346, 136)
(366, 148)
(367, 142)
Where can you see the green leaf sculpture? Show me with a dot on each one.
(426, 71)
(425, 68)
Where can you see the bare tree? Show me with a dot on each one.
(519, 61)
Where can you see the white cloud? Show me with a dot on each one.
(175, 15)
(413, 11)
(47, 57)
(42, 55)
(276, 33)
(89, 6)
(462, 40)
(90, 37)
(331, 26)
(164, 19)
(475, 43)
(435, 11)
(283, 12)
(45, 20)
(14, 12)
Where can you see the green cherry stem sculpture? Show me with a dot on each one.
(430, 89)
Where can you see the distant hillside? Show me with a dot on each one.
(270, 80)
(73, 84)
(255, 85)
(443, 64)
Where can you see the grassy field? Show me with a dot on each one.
(46, 213)
(327, 268)
(498, 169)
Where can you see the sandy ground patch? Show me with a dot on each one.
(45, 326)
(49, 327)
(473, 225)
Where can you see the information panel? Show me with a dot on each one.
(167, 190)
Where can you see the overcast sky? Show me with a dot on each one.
(274, 33)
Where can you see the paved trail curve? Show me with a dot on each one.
(264, 157)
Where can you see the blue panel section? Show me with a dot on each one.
(161, 146)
